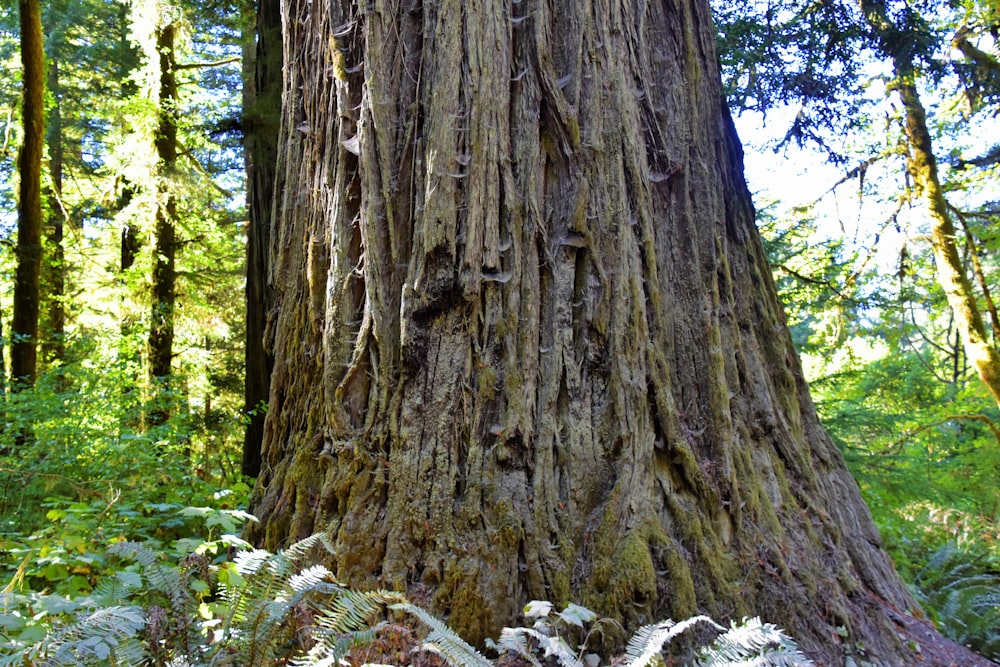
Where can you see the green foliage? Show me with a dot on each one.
(104, 636)
(961, 587)
(262, 608)
(751, 643)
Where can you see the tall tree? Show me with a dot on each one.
(526, 340)
(54, 270)
(261, 124)
(24, 327)
(161, 327)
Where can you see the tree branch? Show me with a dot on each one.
(212, 63)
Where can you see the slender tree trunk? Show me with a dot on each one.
(161, 331)
(922, 166)
(262, 116)
(984, 285)
(527, 344)
(24, 327)
(54, 328)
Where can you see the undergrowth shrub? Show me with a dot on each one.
(262, 608)
(960, 588)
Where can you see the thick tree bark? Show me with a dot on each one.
(922, 165)
(526, 340)
(161, 328)
(24, 327)
(262, 119)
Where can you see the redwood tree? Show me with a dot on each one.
(526, 340)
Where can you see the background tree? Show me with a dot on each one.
(825, 58)
(161, 328)
(897, 43)
(24, 327)
(90, 428)
(54, 320)
(261, 125)
(527, 343)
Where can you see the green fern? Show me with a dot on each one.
(350, 623)
(647, 643)
(107, 636)
(962, 593)
(444, 641)
(273, 608)
(751, 643)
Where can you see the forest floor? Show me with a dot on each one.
(935, 649)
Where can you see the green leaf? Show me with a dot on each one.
(576, 615)
(55, 572)
(12, 621)
(537, 609)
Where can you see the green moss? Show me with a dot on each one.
(513, 383)
(501, 329)
(633, 578)
(487, 381)
(683, 602)
(469, 612)
(508, 527)
(624, 578)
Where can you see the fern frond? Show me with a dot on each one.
(648, 641)
(752, 643)
(512, 640)
(330, 649)
(250, 562)
(113, 590)
(310, 578)
(159, 578)
(443, 640)
(106, 636)
(346, 624)
(301, 549)
(134, 551)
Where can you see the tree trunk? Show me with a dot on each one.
(262, 118)
(54, 341)
(161, 329)
(527, 344)
(24, 327)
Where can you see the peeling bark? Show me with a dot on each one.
(527, 344)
